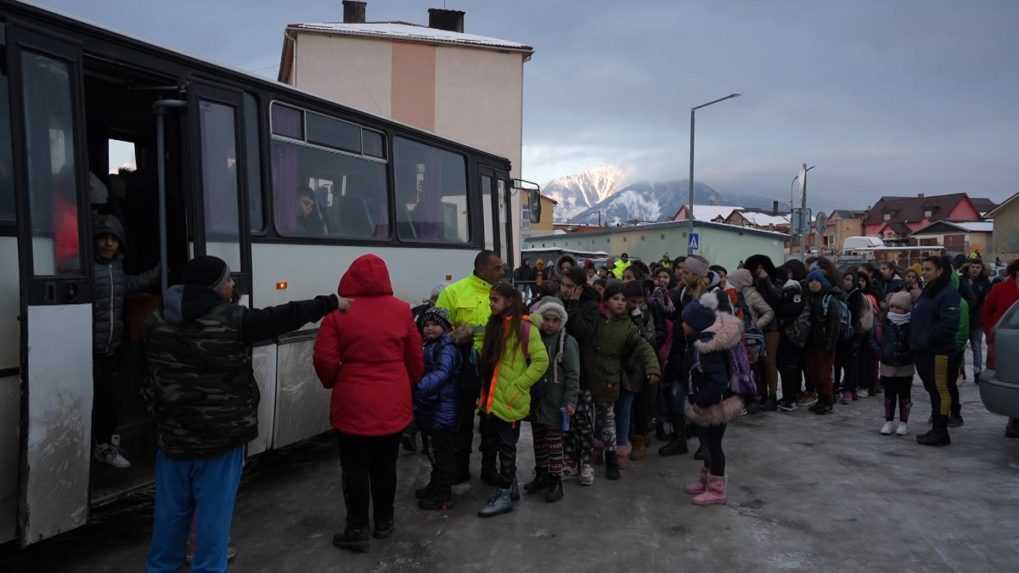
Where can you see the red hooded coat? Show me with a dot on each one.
(370, 355)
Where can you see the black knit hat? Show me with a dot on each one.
(613, 288)
(633, 289)
(438, 315)
(206, 271)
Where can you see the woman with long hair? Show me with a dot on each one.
(513, 359)
(935, 324)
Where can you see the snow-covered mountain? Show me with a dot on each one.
(605, 190)
(577, 193)
(646, 202)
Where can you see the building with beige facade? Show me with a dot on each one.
(839, 226)
(1005, 237)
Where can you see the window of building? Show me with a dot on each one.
(322, 193)
(431, 193)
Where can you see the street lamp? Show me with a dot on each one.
(689, 249)
(792, 192)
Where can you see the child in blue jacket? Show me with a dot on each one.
(436, 400)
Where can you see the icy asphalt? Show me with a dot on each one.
(806, 493)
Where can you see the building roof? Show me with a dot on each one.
(983, 204)
(709, 212)
(900, 229)
(938, 227)
(546, 197)
(846, 214)
(682, 224)
(760, 219)
(1001, 205)
(407, 32)
(912, 209)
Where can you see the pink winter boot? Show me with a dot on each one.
(623, 455)
(698, 487)
(714, 494)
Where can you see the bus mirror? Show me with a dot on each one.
(533, 191)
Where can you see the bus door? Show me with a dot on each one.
(55, 283)
(496, 200)
(220, 176)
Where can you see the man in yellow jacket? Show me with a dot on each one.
(622, 263)
(467, 302)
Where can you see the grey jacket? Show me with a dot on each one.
(112, 285)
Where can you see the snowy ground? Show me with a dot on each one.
(807, 493)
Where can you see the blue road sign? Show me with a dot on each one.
(694, 242)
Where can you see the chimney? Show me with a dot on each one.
(774, 207)
(353, 11)
(442, 19)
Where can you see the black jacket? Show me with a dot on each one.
(935, 320)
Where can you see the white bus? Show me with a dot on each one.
(286, 187)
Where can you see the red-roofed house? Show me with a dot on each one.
(896, 218)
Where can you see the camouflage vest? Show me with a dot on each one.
(202, 388)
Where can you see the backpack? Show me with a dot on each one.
(867, 314)
(797, 330)
(753, 338)
(741, 374)
(845, 318)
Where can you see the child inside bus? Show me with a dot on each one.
(112, 285)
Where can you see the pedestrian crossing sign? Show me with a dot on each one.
(695, 242)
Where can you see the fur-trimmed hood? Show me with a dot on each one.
(725, 333)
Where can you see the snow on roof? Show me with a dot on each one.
(710, 212)
(411, 32)
(764, 219)
(968, 226)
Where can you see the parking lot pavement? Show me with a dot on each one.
(807, 493)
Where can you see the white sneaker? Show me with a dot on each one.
(886, 430)
(862, 393)
(903, 429)
(110, 455)
(586, 475)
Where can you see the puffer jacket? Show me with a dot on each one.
(561, 382)
(651, 325)
(710, 372)
(508, 394)
(618, 340)
(467, 303)
(112, 285)
(583, 326)
(369, 355)
(437, 395)
(935, 320)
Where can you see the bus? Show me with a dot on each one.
(286, 187)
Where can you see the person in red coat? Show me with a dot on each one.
(998, 301)
(370, 356)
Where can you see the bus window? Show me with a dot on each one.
(220, 182)
(6, 163)
(431, 193)
(52, 179)
(320, 193)
(253, 157)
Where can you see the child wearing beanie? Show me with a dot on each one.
(436, 400)
(553, 399)
(896, 365)
(715, 334)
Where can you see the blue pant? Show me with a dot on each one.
(624, 409)
(206, 487)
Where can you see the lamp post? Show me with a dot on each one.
(690, 218)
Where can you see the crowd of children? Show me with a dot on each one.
(599, 364)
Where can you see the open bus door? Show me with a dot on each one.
(496, 200)
(55, 283)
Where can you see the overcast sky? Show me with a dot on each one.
(885, 97)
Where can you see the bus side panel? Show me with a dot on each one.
(263, 362)
(10, 388)
(302, 404)
(10, 413)
(58, 456)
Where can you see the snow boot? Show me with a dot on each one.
(698, 487)
(498, 504)
(639, 451)
(714, 493)
(353, 539)
(623, 455)
(541, 482)
(611, 466)
(677, 445)
(440, 498)
(555, 492)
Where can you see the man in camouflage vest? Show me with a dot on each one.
(203, 396)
